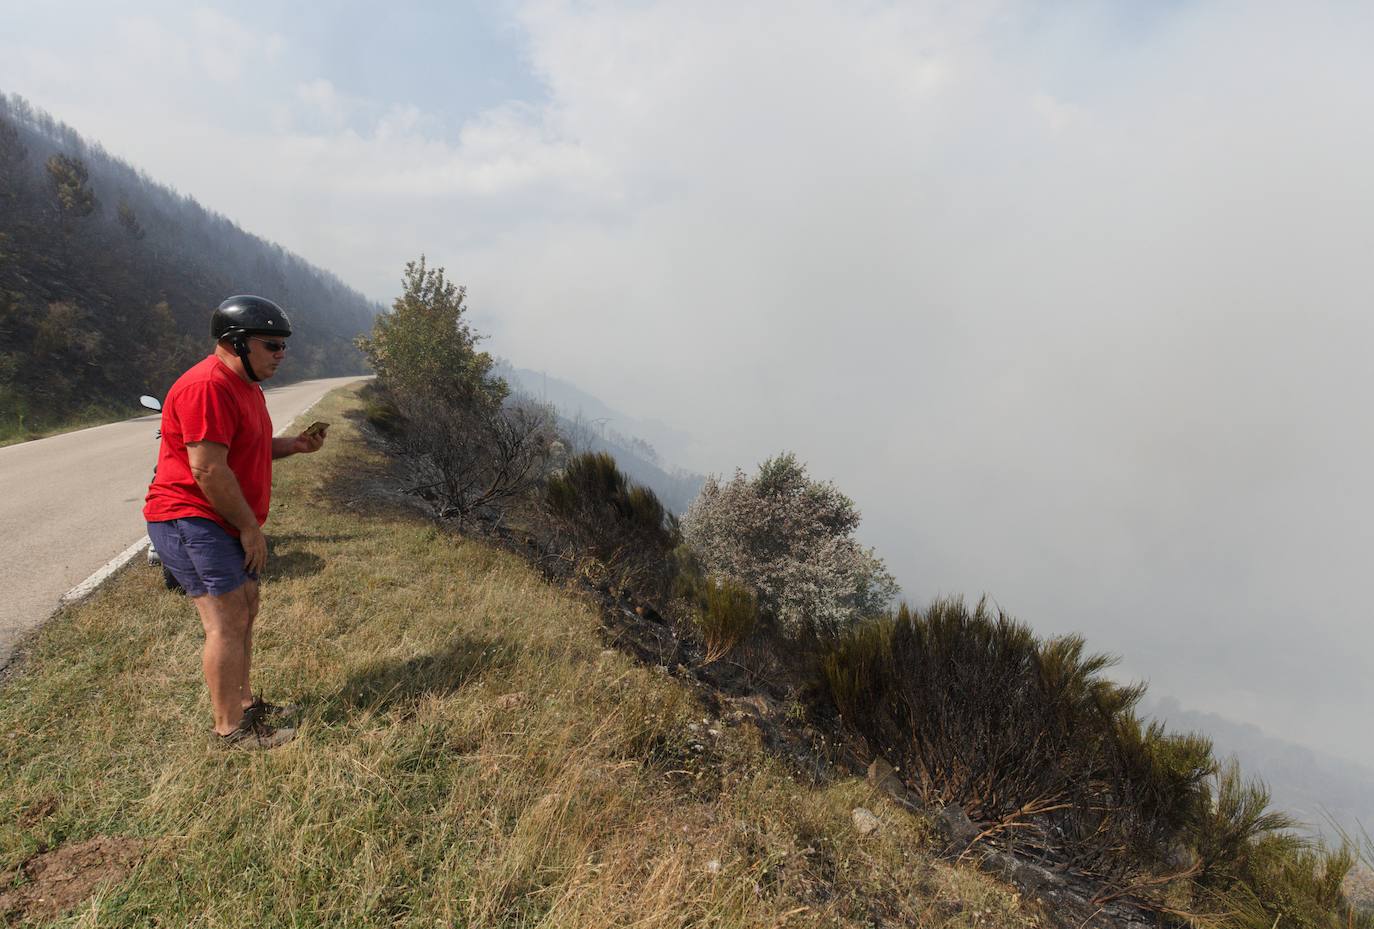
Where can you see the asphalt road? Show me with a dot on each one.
(71, 503)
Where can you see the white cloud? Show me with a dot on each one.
(322, 103)
(401, 121)
(1058, 114)
(226, 48)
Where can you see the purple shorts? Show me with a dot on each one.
(201, 555)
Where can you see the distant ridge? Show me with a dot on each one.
(1314, 787)
(646, 450)
(107, 279)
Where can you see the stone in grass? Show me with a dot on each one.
(958, 831)
(865, 822)
(883, 776)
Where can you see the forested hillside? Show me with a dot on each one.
(107, 280)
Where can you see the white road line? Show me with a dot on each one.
(89, 585)
(282, 431)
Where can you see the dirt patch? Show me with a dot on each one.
(53, 882)
(37, 811)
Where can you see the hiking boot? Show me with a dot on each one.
(271, 713)
(253, 734)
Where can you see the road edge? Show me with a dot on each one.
(11, 656)
(91, 584)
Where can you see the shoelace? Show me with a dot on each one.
(258, 709)
(259, 726)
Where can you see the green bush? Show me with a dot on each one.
(1256, 871)
(729, 616)
(469, 451)
(689, 578)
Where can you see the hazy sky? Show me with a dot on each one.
(1073, 298)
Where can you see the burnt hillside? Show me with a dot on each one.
(107, 279)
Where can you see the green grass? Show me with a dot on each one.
(471, 754)
(12, 431)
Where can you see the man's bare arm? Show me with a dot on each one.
(210, 468)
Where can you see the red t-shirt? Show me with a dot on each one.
(210, 403)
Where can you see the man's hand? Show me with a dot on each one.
(305, 442)
(295, 445)
(254, 550)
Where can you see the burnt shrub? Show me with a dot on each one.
(1024, 734)
(618, 521)
(1032, 739)
(594, 492)
(473, 460)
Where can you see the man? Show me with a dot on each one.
(208, 501)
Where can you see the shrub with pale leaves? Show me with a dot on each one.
(791, 540)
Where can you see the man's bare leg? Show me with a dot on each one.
(226, 621)
(250, 589)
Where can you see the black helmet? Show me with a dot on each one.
(239, 317)
(248, 315)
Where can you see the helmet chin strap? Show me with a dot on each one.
(240, 343)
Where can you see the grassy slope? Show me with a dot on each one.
(421, 792)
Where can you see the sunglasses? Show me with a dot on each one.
(270, 344)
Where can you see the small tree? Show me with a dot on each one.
(69, 177)
(790, 540)
(12, 154)
(128, 219)
(469, 451)
(425, 348)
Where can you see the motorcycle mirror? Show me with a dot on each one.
(151, 403)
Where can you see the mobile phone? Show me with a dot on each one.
(315, 428)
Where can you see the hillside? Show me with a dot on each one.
(477, 750)
(107, 279)
(489, 738)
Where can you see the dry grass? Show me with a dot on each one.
(470, 755)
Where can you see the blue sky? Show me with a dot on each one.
(453, 60)
(1072, 298)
